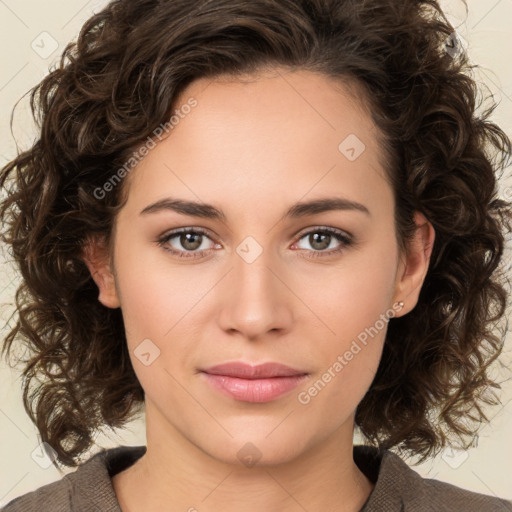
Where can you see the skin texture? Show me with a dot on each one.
(253, 149)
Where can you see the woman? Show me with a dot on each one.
(268, 223)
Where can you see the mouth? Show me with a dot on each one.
(243, 370)
(256, 384)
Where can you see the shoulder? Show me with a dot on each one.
(453, 498)
(398, 487)
(54, 496)
(87, 488)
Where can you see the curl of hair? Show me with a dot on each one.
(122, 79)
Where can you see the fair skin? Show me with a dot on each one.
(253, 150)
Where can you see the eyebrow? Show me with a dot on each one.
(208, 211)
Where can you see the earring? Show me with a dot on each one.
(400, 304)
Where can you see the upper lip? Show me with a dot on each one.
(247, 371)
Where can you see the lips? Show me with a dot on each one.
(247, 371)
(257, 384)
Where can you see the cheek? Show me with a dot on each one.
(347, 358)
(351, 296)
(162, 304)
(154, 296)
(352, 306)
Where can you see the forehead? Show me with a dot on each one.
(260, 131)
(277, 99)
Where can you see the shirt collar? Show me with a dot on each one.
(394, 482)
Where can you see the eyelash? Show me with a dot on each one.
(345, 240)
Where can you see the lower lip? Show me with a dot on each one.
(254, 390)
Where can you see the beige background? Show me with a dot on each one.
(487, 31)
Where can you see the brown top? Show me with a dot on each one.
(398, 488)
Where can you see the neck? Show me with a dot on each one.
(176, 475)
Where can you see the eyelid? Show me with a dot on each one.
(324, 228)
(164, 240)
(345, 239)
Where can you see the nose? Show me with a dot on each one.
(256, 297)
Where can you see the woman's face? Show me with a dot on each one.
(266, 282)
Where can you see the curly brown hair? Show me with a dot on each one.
(119, 82)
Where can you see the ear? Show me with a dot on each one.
(96, 256)
(414, 264)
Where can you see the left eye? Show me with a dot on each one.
(321, 238)
(191, 241)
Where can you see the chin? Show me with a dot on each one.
(256, 450)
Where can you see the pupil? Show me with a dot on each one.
(185, 241)
(319, 235)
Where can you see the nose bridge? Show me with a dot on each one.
(257, 300)
(252, 268)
